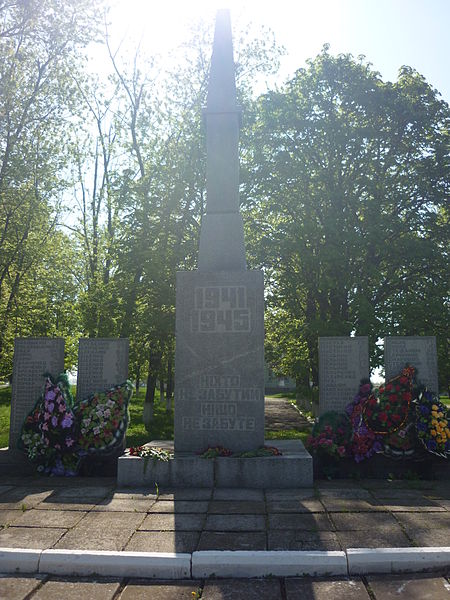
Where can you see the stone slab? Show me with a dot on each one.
(19, 560)
(397, 560)
(291, 470)
(173, 522)
(235, 523)
(229, 589)
(101, 531)
(14, 587)
(30, 537)
(180, 472)
(312, 589)
(118, 564)
(164, 541)
(76, 588)
(343, 362)
(102, 363)
(146, 590)
(32, 358)
(263, 564)
(302, 540)
(219, 360)
(413, 587)
(232, 540)
(417, 351)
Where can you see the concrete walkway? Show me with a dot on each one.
(91, 514)
(281, 415)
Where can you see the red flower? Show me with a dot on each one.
(383, 416)
(396, 418)
(388, 387)
(406, 396)
(394, 397)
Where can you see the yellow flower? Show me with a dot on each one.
(434, 422)
(434, 407)
(433, 433)
(434, 414)
(440, 414)
(447, 431)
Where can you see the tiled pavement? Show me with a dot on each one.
(372, 587)
(92, 514)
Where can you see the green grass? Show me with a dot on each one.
(288, 434)
(5, 407)
(290, 395)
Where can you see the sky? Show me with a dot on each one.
(390, 33)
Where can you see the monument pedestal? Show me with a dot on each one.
(294, 469)
(219, 361)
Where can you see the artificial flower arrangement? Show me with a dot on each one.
(58, 433)
(364, 442)
(389, 421)
(432, 425)
(331, 435)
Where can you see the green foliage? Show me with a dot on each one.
(345, 200)
(5, 413)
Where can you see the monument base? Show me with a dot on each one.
(293, 469)
(14, 463)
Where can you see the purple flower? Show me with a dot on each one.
(50, 407)
(69, 442)
(424, 410)
(431, 445)
(54, 421)
(50, 395)
(67, 421)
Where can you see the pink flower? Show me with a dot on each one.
(69, 442)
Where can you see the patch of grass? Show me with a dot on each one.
(161, 427)
(290, 395)
(5, 409)
(288, 434)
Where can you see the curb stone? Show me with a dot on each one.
(224, 563)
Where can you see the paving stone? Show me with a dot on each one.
(30, 537)
(163, 541)
(412, 521)
(332, 503)
(171, 522)
(137, 493)
(235, 523)
(182, 506)
(239, 589)
(362, 521)
(295, 506)
(82, 492)
(49, 518)
(319, 589)
(381, 538)
(124, 505)
(102, 531)
(238, 494)
(23, 497)
(18, 587)
(232, 540)
(407, 506)
(341, 492)
(302, 540)
(309, 522)
(167, 590)
(9, 516)
(429, 537)
(240, 507)
(186, 494)
(291, 494)
(64, 504)
(410, 587)
(80, 588)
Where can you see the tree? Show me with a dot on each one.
(39, 45)
(345, 185)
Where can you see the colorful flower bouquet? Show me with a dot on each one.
(364, 442)
(432, 425)
(331, 435)
(50, 431)
(57, 435)
(386, 412)
(103, 419)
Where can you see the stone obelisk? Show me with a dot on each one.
(219, 359)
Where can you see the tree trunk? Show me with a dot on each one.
(154, 363)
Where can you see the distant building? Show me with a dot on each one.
(277, 385)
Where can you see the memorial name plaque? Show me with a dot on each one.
(32, 358)
(102, 363)
(219, 386)
(417, 351)
(343, 362)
